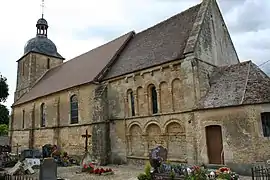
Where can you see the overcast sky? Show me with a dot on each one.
(76, 26)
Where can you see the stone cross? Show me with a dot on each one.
(17, 148)
(86, 136)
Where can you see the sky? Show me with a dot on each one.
(77, 26)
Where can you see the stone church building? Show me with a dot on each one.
(179, 84)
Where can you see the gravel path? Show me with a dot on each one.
(122, 172)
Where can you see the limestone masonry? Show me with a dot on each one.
(178, 84)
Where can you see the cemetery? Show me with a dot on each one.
(52, 162)
(31, 164)
(163, 170)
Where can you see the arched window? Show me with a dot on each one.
(23, 118)
(131, 101)
(42, 115)
(154, 99)
(74, 109)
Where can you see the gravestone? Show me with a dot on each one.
(157, 156)
(47, 150)
(48, 170)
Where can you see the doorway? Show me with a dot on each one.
(214, 144)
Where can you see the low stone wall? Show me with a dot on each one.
(4, 140)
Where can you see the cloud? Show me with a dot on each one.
(76, 26)
(249, 16)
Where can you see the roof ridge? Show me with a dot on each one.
(246, 82)
(257, 67)
(74, 58)
(159, 44)
(110, 63)
(197, 26)
(168, 19)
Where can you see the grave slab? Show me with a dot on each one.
(48, 170)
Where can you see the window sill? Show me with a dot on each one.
(265, 138)
(74, 124)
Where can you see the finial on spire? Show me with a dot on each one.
(43, 6)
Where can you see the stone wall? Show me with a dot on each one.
(202, 72)
(173, 131)
(173, 82)
(179, 85)
(243, 141)
(58, 129)
(214, 44)
(30, 69)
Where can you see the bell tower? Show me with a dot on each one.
(40, 55)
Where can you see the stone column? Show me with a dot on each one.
(165, 138)
(145, 142)
(136, 106)
(171, 95)
(126, 106)
(148, 105)
(159, 100)
(129, 145)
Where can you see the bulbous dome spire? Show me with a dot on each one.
(42, 27)
(41, 43)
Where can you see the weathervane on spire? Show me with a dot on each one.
(42, 6)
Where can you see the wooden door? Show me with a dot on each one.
(214, 144)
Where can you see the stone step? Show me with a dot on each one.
(214, 166)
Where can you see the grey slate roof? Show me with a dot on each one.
(80, 70)
(239, 84)
(43, 45)
(159, 44)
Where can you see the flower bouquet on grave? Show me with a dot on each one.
(104, 172)
(88, 168)
(225, 174)
(196, 173)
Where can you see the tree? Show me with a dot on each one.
(4, 114)
(3, 89)
(3, 129)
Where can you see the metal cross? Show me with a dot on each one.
(86, 136)
(42, 6)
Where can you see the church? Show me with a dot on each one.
(178, 84)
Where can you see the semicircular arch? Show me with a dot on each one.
(153, 125)
(132, 124)
(149, 84)
(175, 122)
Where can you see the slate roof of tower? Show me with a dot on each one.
(80, 70)
(243, 83)
(159, 44)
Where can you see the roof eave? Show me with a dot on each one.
(137, 70)
(59, 57)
